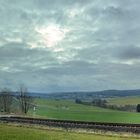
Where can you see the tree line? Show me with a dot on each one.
(103, 103)
(7, 99)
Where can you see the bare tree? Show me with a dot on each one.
(5, 100)
(24, 99)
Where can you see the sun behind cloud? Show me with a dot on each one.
(52, 34)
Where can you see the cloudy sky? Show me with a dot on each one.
(70, 45)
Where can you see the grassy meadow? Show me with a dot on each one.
(132, 100)
(66, 109)
(22, 133)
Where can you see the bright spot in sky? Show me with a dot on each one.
(52, 34)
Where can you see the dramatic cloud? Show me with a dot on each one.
(68, 45)
(129, 53)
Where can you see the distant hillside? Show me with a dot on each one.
(88, 95)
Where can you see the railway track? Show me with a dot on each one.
(68, 124)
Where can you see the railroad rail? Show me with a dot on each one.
(69, 124)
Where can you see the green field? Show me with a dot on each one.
(132, 100)
(66, 109)
(23, 133)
